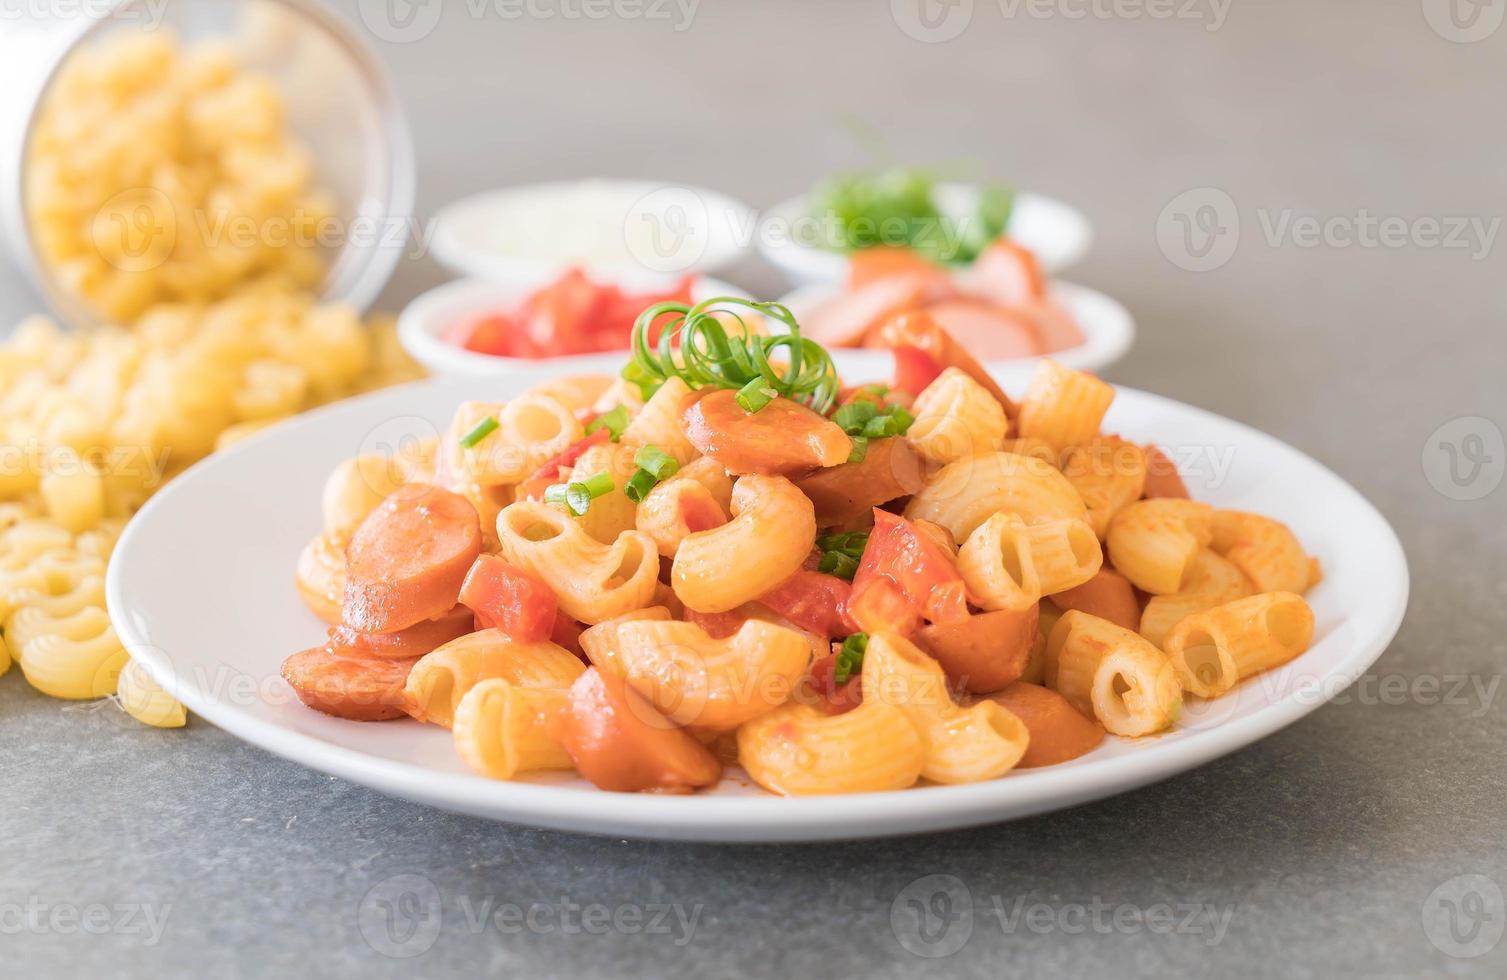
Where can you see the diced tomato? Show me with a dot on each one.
(920, 330)
(904, 577)
(506, 597)
(834, 698)
(914, 369)
(572, 315)
(878, 605)
(490, 333)
(555, 468)
(813, 601)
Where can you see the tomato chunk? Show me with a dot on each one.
(813, 601)
(914, 369)
(510, 599)
(621, 742)
(905, 577)
(408, 558)
(556, 467)
(919, 330)
(832, 697)
(783, 438)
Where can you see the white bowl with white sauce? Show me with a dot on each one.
(625, 231)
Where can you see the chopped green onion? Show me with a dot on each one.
(614, 422)
(660, 464)
(839, 564)
(479, 432)
(577, 499)
(755, 395)
(879, 428)
(578, 495)
(860, 449)
(639, 485)
(903, 420)
(853, 416)
(709, 345)
(850, 658)
(851, 543)
(599, 485)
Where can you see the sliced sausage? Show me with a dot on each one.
(407, 560)
(891, 469)
(1058, 732)
(348, 684)
(783, 438)
(984, 652)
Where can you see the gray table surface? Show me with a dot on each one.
(1338, 846)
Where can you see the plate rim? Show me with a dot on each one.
(766, 818)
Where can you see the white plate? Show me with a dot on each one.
(1108, 332)
(629, 230)
(1058, 234)
(201, 590)
(423, 323)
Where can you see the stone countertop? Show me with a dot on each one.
(1338, 846)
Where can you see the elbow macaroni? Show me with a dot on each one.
(1154, 542)
(1265, 550)
(594, 582)
(1112, 674)
(709, 684)
(957, 417)
(1215, 649)
(771, 533)
(960, 745)
(1063, 407)
(502, 729)
(967, 492)
(441, 678)
(796, 750)
(1009, 564)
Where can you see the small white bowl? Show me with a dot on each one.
(1057, 233)
(628, 231)
(423, 323)
(1107, 327)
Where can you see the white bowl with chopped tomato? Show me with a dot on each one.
(1002, 309)
(481, 328)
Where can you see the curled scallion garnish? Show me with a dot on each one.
(708, 356)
